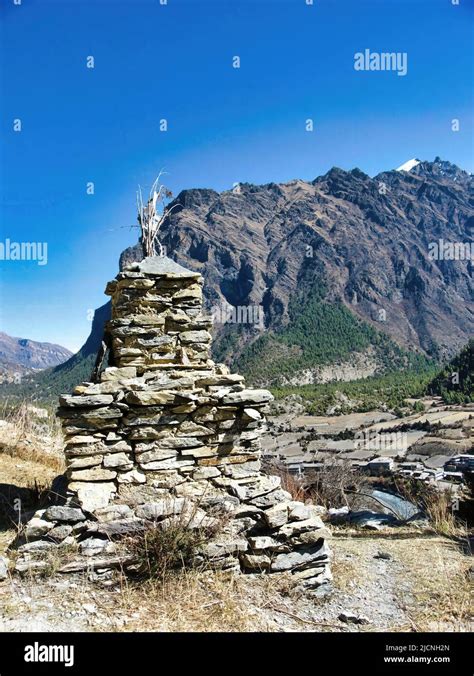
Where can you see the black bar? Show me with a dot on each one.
(308, 653)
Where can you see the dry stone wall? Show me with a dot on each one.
(167, 433)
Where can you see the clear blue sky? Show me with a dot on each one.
(225, 125)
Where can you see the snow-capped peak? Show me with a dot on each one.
(408, 166)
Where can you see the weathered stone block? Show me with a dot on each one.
(92, 496)
(119, 461)
(84, 400)
(93, 474)
(64, 514)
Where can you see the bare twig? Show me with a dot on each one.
(152, 215)
(302, 619)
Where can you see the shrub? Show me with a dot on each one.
(295, 485)
(331, 485)
(436, 504)
(159, 550)
(172, 544)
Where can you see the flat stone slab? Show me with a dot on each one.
(64, 513)
(162, 265)
(93, 563)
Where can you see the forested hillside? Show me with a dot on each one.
(455, 383)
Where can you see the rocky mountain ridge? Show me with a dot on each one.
(366, 238)
(25, 355)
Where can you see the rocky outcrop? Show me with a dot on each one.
(168, 434)
(368, 239)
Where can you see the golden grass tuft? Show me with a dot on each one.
(27, 436)
(437, 505)
(294, 485)
(442, 589)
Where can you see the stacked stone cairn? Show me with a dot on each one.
(166, 433)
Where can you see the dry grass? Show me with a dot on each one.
(174, 543)
(191, 601)
(212, 601)
(187, 601)
(35, 454)
(27, 474)
(346, 570)
(441, 516)
(289, 482)
(441, 587)
(333, 485)
(19, 493)
(30, 458)
(6, 538)
(437, 505)
(26, 435)
(428, 577)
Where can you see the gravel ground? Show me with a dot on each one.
(381, 583)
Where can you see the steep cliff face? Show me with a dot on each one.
(369, 240)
